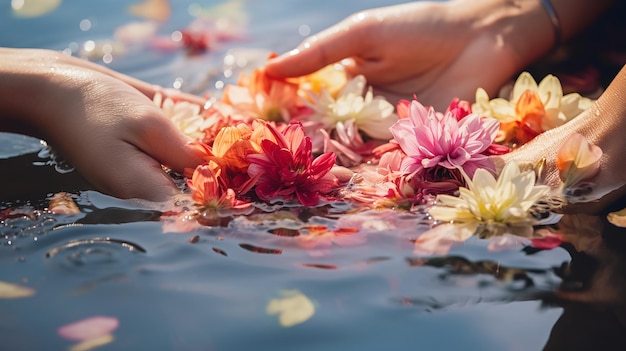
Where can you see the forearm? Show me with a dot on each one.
(24, 83)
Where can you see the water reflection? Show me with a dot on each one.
(593, 290)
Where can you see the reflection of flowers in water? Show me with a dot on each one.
(506, 200)
(316, 237)
(431, 153)
(487, 207)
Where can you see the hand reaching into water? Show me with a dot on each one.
(103, 122)
(603, 125)
(438, 50)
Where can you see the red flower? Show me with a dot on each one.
(286, 167)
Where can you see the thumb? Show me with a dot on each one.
(165, 143)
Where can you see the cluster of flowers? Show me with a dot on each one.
(325, 137)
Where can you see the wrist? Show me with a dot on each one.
(523, 27)
(31, 90)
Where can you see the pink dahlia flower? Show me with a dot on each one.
(434, 141)
(286, 167)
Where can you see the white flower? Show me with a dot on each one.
(371, 115)
(507, 200)
(185, 115)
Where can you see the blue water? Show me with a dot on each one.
(114, 259)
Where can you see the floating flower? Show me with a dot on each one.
(208, 193)
(507, 200)
(346, 142)
(331, 79)
(185, 115)
(431, 140)
(577, 160)
(264, 97)
(286, 167)
(532, 109)
(371, 115)
(230, 150)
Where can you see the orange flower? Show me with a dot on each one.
(330, 78)
(228, 154)
(208, 191)
(265, 97)
(530, 112)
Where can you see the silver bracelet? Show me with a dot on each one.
(556, 24)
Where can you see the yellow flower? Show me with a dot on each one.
(557, 108)
(506, 200)
(330, 78)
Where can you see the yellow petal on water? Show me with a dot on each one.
(294, 308)
(92, 343)
(33, 8)
(14, 291)
(157, 10)
(617, 218)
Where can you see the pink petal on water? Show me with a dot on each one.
(89, 328)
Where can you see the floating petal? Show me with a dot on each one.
(14, 291)
(157, 10)
(33, 8)
(292, 309)
(89, 329)
(577, 160)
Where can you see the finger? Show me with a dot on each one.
(145, 88)
(334, 44)
(135, 175)
(158, 137)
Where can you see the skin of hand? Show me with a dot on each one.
(603, 125)
(433, 50)
(103, 122)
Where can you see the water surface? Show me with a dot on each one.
(210, 289)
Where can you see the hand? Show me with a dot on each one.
(435, 50)
(602, 125)
(103, 122)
